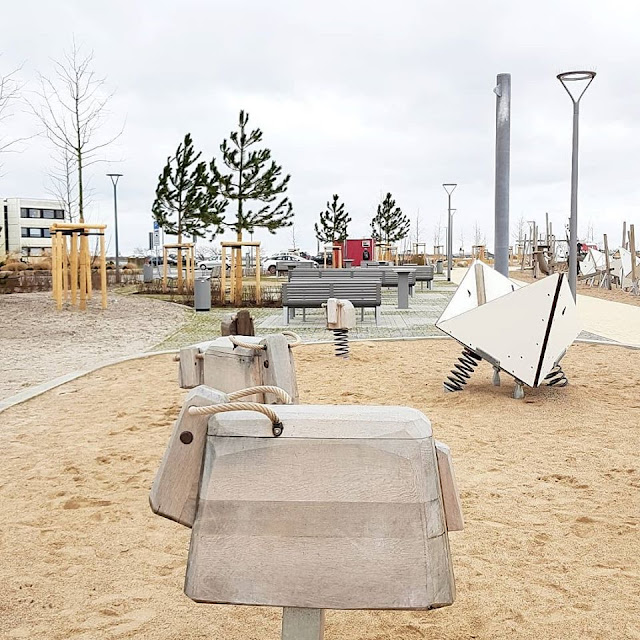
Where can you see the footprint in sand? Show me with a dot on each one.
(80, 503)
(569, 481)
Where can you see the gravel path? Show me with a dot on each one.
(38, 343)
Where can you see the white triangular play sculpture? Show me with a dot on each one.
(593, 262)
(521, 330)
(621, 267)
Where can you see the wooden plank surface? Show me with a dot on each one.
(320, 523)
(448, 485)
(281, 370)
(175, 488)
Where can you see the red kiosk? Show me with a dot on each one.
(358, 249)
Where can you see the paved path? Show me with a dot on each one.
(599, 318)
(419, 320)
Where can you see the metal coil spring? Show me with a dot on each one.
(462, 370)
(556, 377)
(341, 341)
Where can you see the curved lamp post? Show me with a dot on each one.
(114, 179)
(583, 80)
(449, 187)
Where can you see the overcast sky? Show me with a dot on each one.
(354, 98)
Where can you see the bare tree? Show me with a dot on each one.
(437, 233)
(63, 184)
(72, 108)
(518, 233)
(418, 227)
(9, 93)
(461, 241)
(293, 237)
(478, 235)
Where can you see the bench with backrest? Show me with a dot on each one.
(388, 277)
(336, 274)
(424, 273)
(287, 266)
(305, 293)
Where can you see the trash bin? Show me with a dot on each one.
(202, 294)
(147, 273)
(439, 267)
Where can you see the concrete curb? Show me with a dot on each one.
(34, 392)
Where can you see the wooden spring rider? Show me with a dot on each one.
(71, 263)
(309, 507)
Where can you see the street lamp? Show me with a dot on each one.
(114, 180)
(567, 78)
(449, 188)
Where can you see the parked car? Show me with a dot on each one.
(319, 259)
(270, 264)
(208, 264)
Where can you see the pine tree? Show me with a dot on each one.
(251, 179)
(186, 202)
(333, 222)
(389, 224)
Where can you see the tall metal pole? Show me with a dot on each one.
(573, 219)
(449, 188)
(565, 78)
(114, 179)
(503, 162)
(449, 240)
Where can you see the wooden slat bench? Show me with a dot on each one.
(307, 293)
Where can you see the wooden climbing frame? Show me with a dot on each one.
(71, 263)
(235, 275)
(189, 249)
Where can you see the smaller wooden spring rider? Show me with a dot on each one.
(309, 507)
(341, 316)
(231, 363)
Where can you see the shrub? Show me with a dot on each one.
(15, 266)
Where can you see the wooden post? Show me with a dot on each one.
(238, 274)
(83, 272)
(54, 264)
(89, 265)
(103, 272)
(258, 274)
(59, 262)
(180, 283)
(632, 248)
(73, 268)
(191, 261)
(223, 275)
(480, 287)
(164, 269)
(65, 269)
(606, 262)
(302, 624)
(232, 277)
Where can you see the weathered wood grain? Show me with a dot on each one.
(450, 495)
(278, 367)
(174, 491)
(343, 511)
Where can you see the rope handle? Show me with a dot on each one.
(276, 391)
(297, 341)
(247, 345)
(213, 409)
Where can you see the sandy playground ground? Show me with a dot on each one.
(550, 489)
(59, 342)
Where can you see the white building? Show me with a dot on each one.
(24, 227)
